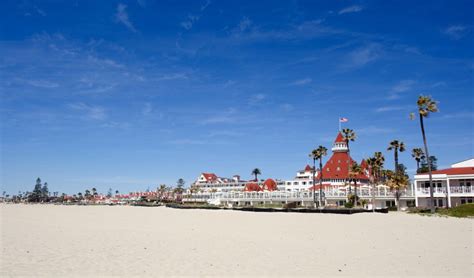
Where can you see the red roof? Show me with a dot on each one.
(210, 176)
(454, 171)
(270, 185)
(308, 168)
(252, 187)
(316, 187)
(337, 167)
(339, 138)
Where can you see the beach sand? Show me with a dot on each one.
(53, 240)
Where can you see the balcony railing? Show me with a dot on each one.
(453, 190)
(300, 195)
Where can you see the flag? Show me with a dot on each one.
(343, 120)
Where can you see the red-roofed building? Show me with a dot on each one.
(252, 186)
(452, 186)
(270, 185)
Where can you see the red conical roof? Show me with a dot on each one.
(339, 138)
(270, 185)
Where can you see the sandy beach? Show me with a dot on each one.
(49, 240)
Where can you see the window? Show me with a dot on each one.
(338, 169)
(304, 183)
(327, 169)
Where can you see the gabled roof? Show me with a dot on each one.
(339, 138)
(210, 176)
(454, 171)
(308, 168)
(337, 167)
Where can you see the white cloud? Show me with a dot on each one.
(91, 112)
(205, 5)
(365, 55)
(351, 9)
(173, 76)
(122, 17)
(147, 109)
(244, 24)
(301, 82)
(375, 130)
(391, 108)
(255, 99)
(188, 24)
(401, 87)
(40, 83)
(455, 31)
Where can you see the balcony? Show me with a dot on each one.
(442, 190)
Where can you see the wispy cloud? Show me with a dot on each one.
(301, 82)
(455, 32)
(364, 55)
(392, 108)
(351, 9)
(244, 24)
(173, 76)
(401, 87)
(147, 109)
(40, 83)
(122, 17)
(205, 5)
(90, 111)
(369, 130)
(256, 99)
(189, 22)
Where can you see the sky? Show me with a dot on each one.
(132, 94)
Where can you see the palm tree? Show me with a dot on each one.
(397, 181)
(348, 135)
(256, 172)
(427, 105)
(317, 154)
(94, 191)
(354, 171)
(375, 168)
(396, 146)
(418, 155)
(162, 189)
(116, 192)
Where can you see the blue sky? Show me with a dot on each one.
(131, 94)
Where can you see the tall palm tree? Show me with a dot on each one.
(348, 135)
(396, 146)
(354, 171)
(426, 106)
(94, 191)
(397, 181)
(376, 166)
(256, 172)
(418, 155)
(318, 154)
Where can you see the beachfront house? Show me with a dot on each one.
(452, 186)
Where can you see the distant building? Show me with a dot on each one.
(452, 186)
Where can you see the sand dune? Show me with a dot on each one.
(53, 240)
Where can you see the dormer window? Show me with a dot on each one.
(338, 169)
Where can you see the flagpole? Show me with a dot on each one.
(339, 120)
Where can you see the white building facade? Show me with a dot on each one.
(452, 186)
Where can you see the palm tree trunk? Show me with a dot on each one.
(417, 166)
(314, 180)
(320, 181)
(398, 199)
(428, 160)
(373, 194)
(355, 192)
(396, 161)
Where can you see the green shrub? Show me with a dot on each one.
(349, 205)
(465, 210)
